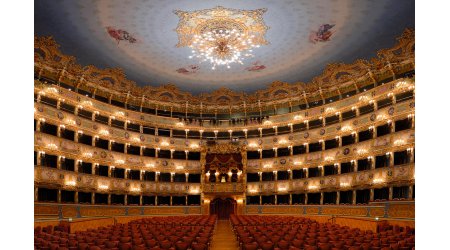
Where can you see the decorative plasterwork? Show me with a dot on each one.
(201, 21)
(48, 58)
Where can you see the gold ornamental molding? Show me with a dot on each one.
(201, 21)
(51, 63)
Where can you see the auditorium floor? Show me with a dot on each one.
(223, 237)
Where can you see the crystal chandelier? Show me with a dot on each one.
(222, 36)
(223, 47)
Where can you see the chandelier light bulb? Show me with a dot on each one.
(222, 47)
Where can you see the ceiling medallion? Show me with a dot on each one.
(220, 35)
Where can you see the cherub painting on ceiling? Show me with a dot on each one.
(256, 67)
(120, 35)
(189, 70)
(323, 34)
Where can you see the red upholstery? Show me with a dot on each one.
(173, 232)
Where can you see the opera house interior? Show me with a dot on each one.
(224, 125)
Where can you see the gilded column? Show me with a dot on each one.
(38, 125)
(306, 198)
(355, 165)
(125, 174)
(109, 171)
(186, 200)
(58, 131)
(355, 136)
(171, 200)
(391, 158)
(306, 172)
(306, 147)
(140, 200)
(76, 197)
(58, 162)
(156, 200)
(393, 127)
(125, 199)
(339, 139)
(322, 143)
(354, 197)
(321, 198)
(391, 192)
(93, 198)
(58, 198)
(338, 166)
(276, 199)
(290, 199)
(372, 194)
(338, 197)
(260, 200)
(356, 111)
(36, 194)
(410, 192)
(109, 199)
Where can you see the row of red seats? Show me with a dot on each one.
(288, 232)
(178, 233)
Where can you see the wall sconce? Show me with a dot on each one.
(267, 122)
(179, 167)
(135, 189)
(297, 117)
(102, 187)
(344, 184)
(87, 155)
(164, 144)
(42, 119)
(206, 201)
(71, 183)
(282, 189)
(194, 191)
(329, 158)
(207, 174)
(297, 163)
(179, 124)
(378, 181)
(245, 130)
(267, 166)
(253, 145)
(313, 187)
(120, 161)
(193, 145)
(283, 141)
(240, 201)
(52, 146)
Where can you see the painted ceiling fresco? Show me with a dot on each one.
(303, 37)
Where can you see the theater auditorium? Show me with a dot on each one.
(250, 125)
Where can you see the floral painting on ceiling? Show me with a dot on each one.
(189, 70)
(120, 35)
(323, 34)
